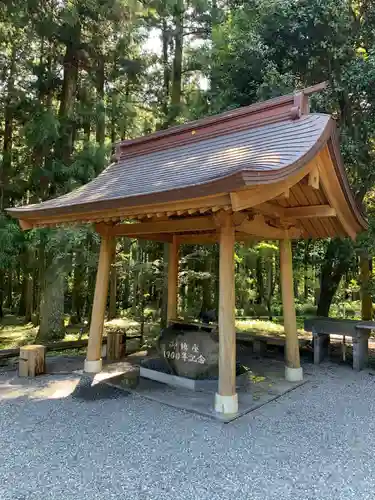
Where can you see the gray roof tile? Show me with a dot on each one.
(266, 150)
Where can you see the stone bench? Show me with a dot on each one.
(359, 331)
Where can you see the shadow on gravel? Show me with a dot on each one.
(88, 392)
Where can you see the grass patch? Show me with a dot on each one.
(268, 328)
(14, 333)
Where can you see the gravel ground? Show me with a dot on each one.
(316, 442)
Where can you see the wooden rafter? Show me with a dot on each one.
(202, 204)
(334, 194)
(308, 212)
(313, 179)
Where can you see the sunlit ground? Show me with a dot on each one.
(52, 389)
(265, 327)
(14, 333)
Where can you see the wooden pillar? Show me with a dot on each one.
(172, 280)
(93, 361)
(226, 400)
(293, 370)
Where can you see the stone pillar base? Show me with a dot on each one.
(360, 349)
(293, 374)
(226, 404)
(93, 366)
(259, 347)
(321, 346)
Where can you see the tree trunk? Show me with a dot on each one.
(114, 121)
(78, 296)
(270, 286)
(29, 298)
(338, 257)
(52, 306)
(177, 63)
(112, 310)
(41, 271)
(164, 303)
(260, 281)
(93, 247)
(67, 101)
(1, 293)
(366, 299)
(100, 80)
(215, 24)
(305, 270)
(166, 68)
(206, 285)
(6, 164)
(9, 301)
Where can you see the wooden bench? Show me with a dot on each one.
(359, 331)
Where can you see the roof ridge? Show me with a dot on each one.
(290, 106)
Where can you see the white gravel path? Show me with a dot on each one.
(316, 442)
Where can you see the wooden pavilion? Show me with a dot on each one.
(268, 171)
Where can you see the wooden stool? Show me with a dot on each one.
(32, 360)
(115, 346)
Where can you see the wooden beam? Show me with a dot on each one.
(308, 212)
(270, 209)
(162, 238)
(93, 362)
(209, 238)
(313, 180)
(258, 227)
(226, 400)
(172, 280)
(244, 237)
(256, 195)
(315, 88)
(170, 226)
(293, 371)
(25, 225)
(197, 239)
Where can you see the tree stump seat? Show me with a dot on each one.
(116, 344)
(32, 360)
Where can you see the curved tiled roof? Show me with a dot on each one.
(252, 156)
(207, 163)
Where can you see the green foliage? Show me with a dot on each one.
(10, 242)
